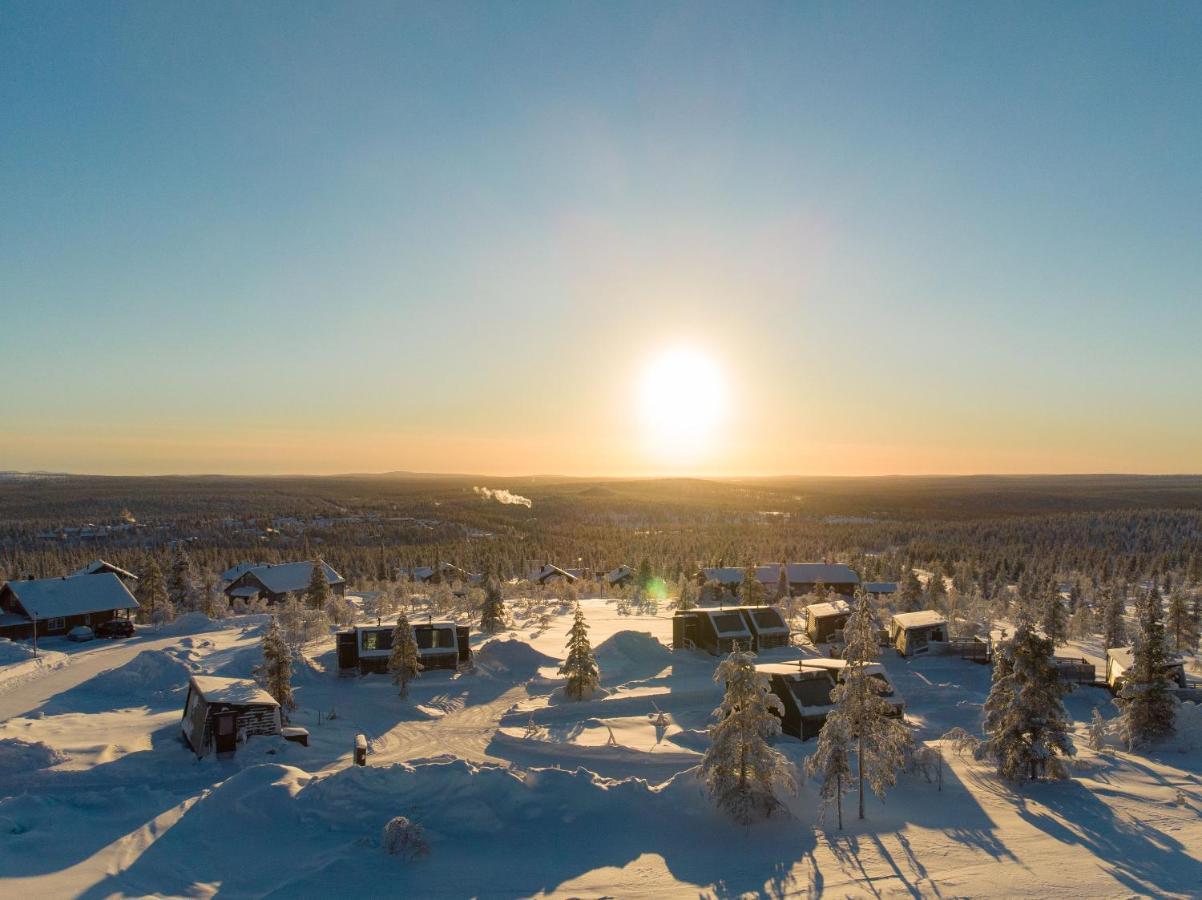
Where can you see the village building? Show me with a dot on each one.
(716, 631)
(549, 573)
(622, 576)
(1119, 661)
(56, 605)
(803, 578)
(274, 583)
(100, 566)
(879, 588)
(823, 620)
(913, 632)
(438, 574)
(804, 689)
(233, 572)
(221, 713)
(440, 645)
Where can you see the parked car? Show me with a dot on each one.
(80, 633)
(115, 628)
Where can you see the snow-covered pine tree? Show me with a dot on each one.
(782, 584)
(1025, 719)
(580, 666)
(688, 598)
(880, 740)
(831, 765)
(492, 613)
(181, 585)
(1097, 731)
(909, 598)
(1114, 629)
(751, 592)
(644, 575)
(739, 768)
(1147, 710)
(404, 662)
(1055, 618)
(317, 594)
(936, 589)
(275, 674)
(152, 592)
(1180, 622)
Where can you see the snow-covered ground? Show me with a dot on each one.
(521, 793)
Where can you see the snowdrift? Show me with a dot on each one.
(631, 654)
(189, 623)
(151, 675)
(18, 757)
(511, 658)
(12, 652)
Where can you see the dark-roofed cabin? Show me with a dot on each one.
(804, 689)
(549, 573)
(715, 631)
(767, 627)
(440, 645)
(59, 604)
(221, 713)
(275, 582)
(100, 566)
(823, 620)
(622, 576)
(803, 578)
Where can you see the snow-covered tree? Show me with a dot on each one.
(181, 584)
(152, 592)
(275, 674)
(1025, 719)
(782, 584)
(1081, 623)
(644, 576)
(936, 590)
(1055, 618)
(301, 624)
(909, 597)
(580, 666)
(739, 768)
(1181, 624)
(317, 594)
(1097, 731)
(1114, 629)
(688, 596)
(880, 739)
(404, 662)
(492, 613)
(1147, 709)
(751, 592)
(830, 764)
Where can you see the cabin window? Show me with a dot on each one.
(435, 639)
(728, 623)
(58, 623)
(377, 640)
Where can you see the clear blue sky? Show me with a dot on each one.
(348, 237)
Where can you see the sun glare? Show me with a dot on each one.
(682, 400)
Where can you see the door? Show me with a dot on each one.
(225, 731)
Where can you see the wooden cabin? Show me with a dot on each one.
(824, 619)
(549, 574)
(805, 687)
(803, 578)
(913, 632)
(221, 713)
(56, 605)
(440, 645)
(100, 566)
(1119, 661)
(620, 577)
(276, 582)
(716, 631)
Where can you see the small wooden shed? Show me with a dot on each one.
(913, 632)
(220, 713)
(1120, 659)
(824, 619)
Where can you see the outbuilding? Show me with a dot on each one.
(715, 631)
(221, 713)
(913, 632)
(767, 627)
(824, 619)
(804, 689)
(1119, 661)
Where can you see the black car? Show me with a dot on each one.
(115, 628)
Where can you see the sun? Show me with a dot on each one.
(682, 402)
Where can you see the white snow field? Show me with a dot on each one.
(521, 793)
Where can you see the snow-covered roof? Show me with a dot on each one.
(97, 566)
(233, 572)
(284, 577)
(425, 573)
(8, 620)
(1124, 658)
(550, 571)
(924, 618)
(618, 574)
(234, 691)
(837, 665)
(797, 573)
(729, 611)
(72, 595)
(826, 610)
(778, 668)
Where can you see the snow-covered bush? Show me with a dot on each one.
(405, 839)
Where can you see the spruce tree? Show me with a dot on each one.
(688, 599)
(880, 739)
(739, 768)
(1025, 720)
(751, 592)
(492, 613)
(404, 662)
(1181, 624)
(909, 598)
(1147, 709)
(275, 674)
(644, 576)
(152, 592)
(1055, 619)
(782, 584)
(317, 594)
(181, 585)
(831, 764)
(936, 592)
(1114, 629)
(580, 666)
